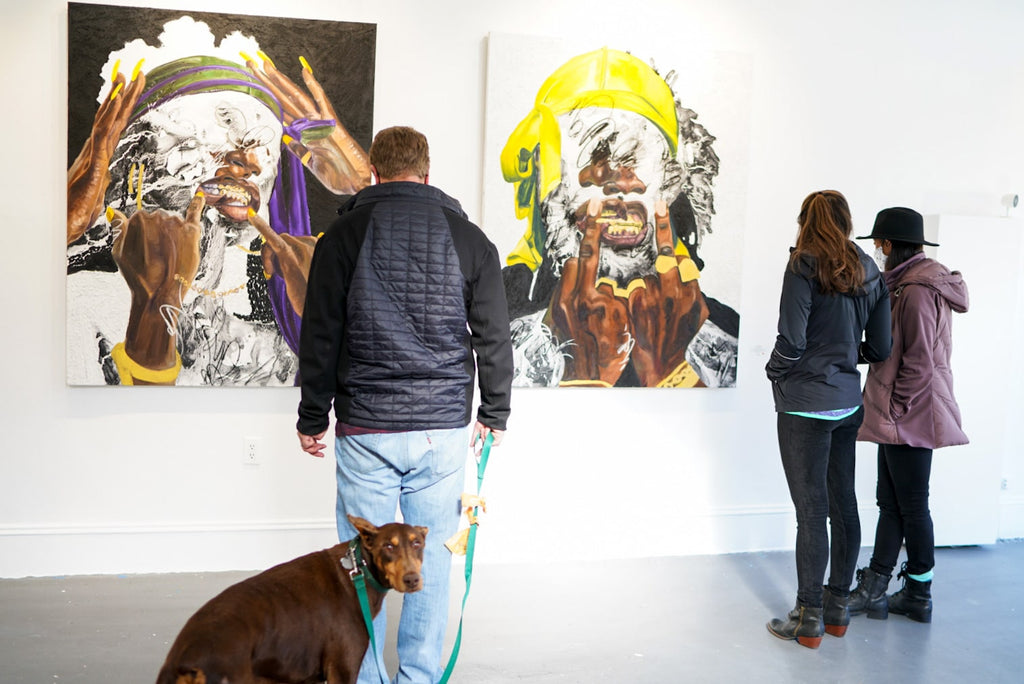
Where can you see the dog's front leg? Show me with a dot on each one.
(344, 669)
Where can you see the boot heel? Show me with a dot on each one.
(836, 630)
(809, 642)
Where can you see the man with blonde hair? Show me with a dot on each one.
(404, 291)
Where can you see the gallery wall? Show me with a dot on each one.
(914, 103)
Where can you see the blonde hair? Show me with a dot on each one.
(400, 151)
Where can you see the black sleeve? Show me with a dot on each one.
(491, 340)
(323, 320)
(877, 342)
(794, 310)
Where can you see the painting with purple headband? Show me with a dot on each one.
(206, 152)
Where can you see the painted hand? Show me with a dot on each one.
(287, 255)
(592, 317)
(334, 157)
(157, 254)
(89, 175)
(667, 311)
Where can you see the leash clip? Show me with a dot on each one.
(350, 563)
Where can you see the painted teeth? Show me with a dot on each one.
(616, 226)
(234, 195)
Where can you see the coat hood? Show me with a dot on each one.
(398, 190)
(920, 270)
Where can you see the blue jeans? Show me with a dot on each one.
(903, 515)
(819, 457)
(423, 473)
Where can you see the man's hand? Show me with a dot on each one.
(667, 312)
(480, 432)
(312, 445)
(593, 318)
(287, 255)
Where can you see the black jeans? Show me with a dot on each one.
(903, 514)
(819, 457)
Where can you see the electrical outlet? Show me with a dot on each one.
(251, 452)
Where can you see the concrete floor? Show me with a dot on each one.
(691, 619)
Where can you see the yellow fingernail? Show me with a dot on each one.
(306, 157)
(665, 263)
(267, 276)
(117, 89)
(266, 59)
(251, 212)
(688, 270)
(110, 213)
(319, 235)
(305, 64)
(200, 193)
(138, 197)
(137, 69)
(287, 139)
(246, 57)
(115, 71)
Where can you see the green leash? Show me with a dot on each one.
(355, 558)
(481, 466)
(359, 577)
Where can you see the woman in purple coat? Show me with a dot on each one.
(909, 410)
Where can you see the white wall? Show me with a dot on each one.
(914, 102)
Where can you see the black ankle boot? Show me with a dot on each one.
(869, 595)
(803, 624)
(914, 600)
(835, 612)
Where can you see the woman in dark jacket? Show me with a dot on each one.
(833, 296)
(909, 410)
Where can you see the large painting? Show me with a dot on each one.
(205, 154)
(615, 187)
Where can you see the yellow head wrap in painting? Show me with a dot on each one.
(603, 78)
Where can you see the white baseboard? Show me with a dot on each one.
(41, 551)
(53, 550)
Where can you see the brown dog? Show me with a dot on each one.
(300, 621)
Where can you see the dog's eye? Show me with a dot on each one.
(389, 546)
(416, 543)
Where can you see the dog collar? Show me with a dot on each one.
(356, 564)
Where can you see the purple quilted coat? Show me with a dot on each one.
(908, 398)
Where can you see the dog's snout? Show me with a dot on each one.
(412, 581)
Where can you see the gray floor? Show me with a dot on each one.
(694, 619)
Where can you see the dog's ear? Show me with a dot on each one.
(422, 530)
(365, 528)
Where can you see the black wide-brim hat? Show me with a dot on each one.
(901, 224)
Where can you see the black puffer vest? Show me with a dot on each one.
(406, 316)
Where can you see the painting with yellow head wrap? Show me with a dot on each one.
(615, 190)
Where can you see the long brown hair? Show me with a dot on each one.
(825, 228)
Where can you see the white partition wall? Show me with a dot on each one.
(968, 481)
